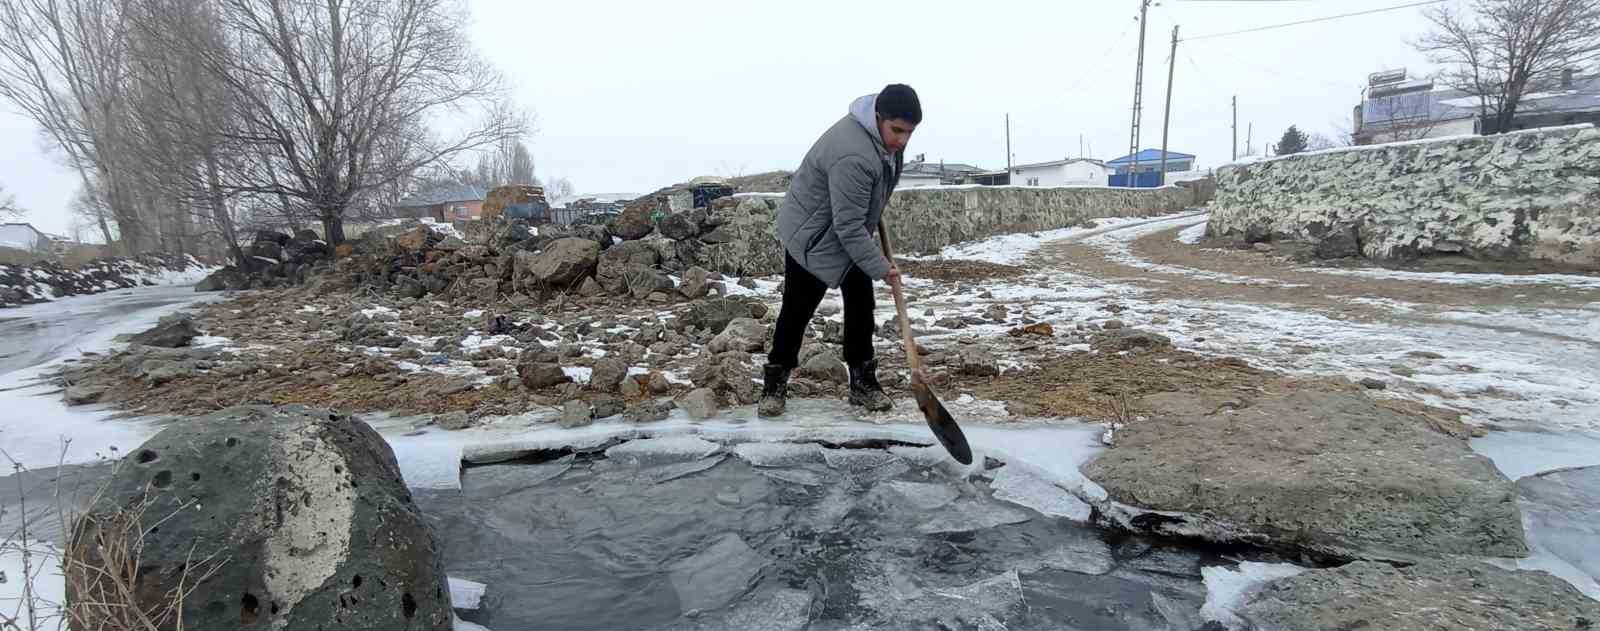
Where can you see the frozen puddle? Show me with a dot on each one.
(681, 532)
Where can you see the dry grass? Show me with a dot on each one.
(103, 575)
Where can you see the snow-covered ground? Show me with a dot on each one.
(1548, 381)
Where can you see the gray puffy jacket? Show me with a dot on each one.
(828, 218)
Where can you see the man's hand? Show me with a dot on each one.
(894, 274)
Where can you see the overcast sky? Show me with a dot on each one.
(631, 96)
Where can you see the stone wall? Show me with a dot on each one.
(925, 220)
(1524, 195)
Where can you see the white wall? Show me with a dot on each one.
(1073, 174)
(20, 237)
(917, 181)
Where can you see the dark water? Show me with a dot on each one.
(864, 541)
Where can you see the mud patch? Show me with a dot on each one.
(951, 270)
(1090, 385)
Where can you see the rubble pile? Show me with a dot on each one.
(46, 281)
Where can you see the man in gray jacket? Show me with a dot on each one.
(826, 226)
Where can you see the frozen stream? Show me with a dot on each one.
(792, 536)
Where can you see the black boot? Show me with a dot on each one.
(774, 390)
(864, 388)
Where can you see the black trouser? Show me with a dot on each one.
(802, 292)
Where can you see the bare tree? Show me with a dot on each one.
(88, 211)
(8, 205)
(63, 64)
(1319, 142)
(1504, 49)
(326, 83)
(558, 190)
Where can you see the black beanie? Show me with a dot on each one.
(898, 100)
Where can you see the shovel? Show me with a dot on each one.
(939, 420)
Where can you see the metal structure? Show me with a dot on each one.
(1138, 85)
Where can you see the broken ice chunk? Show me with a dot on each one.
(1018, 486)
(716, 575)
(674, 471)
(659, 451)
(778, 454)
(465, 594)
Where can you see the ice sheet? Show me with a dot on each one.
(1013, 483)
(1227, 589)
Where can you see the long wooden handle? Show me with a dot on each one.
(912, 358)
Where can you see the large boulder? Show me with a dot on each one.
(276, 518)
(172, 331)
(635, 221)
(714, 314)
(306, 247)
(1324, 473)
(620, 260)
(226, 278)
(744, 335)
(729, 374)
(681, 226)
(742, 241)
(562, 263)
(1437, 594)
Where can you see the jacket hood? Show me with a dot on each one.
(865, 112)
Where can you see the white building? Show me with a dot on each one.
(919, 173)
(22, 236)
(1070, 172)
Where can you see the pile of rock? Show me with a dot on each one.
(273, 259)
(47, 280)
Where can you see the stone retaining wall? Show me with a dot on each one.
(1524, 195)
(925, 220)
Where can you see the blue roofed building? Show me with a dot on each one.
(1144, 168)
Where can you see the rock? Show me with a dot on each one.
(562, 263)
(172, 331)
(631, 389)
(642, 282)
(648, 411)
(299, 515)
(590, 288)
(700, 403)
(230, 278)
(1402, 370)
(622, 261)
(714, 314)
(659, 384)
(825, 367)
(681, 226)
(1424, 355)
(1341, 243)
(976, 361)
(416, 239)
(1330, 474)
(607, 406)
(1261, 247)
(85, 393)
(741, 335)
(607, 373)
(1111, 325)
(998, 313)
(728, 374)
(1040, 329)
(1129, 340)
(576, 414)
(450, 244)
(1440, 594)
(1373, 384)
(634, 222)
(453, 420)
(694, 283)
(536, 376)
(747, 282)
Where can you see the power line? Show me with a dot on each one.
(1315, 20)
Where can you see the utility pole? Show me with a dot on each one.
(1249, 136)
(1138, 97)
(1080, 146)
(1008, 146)
(1166, 121)
(1235, 127)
